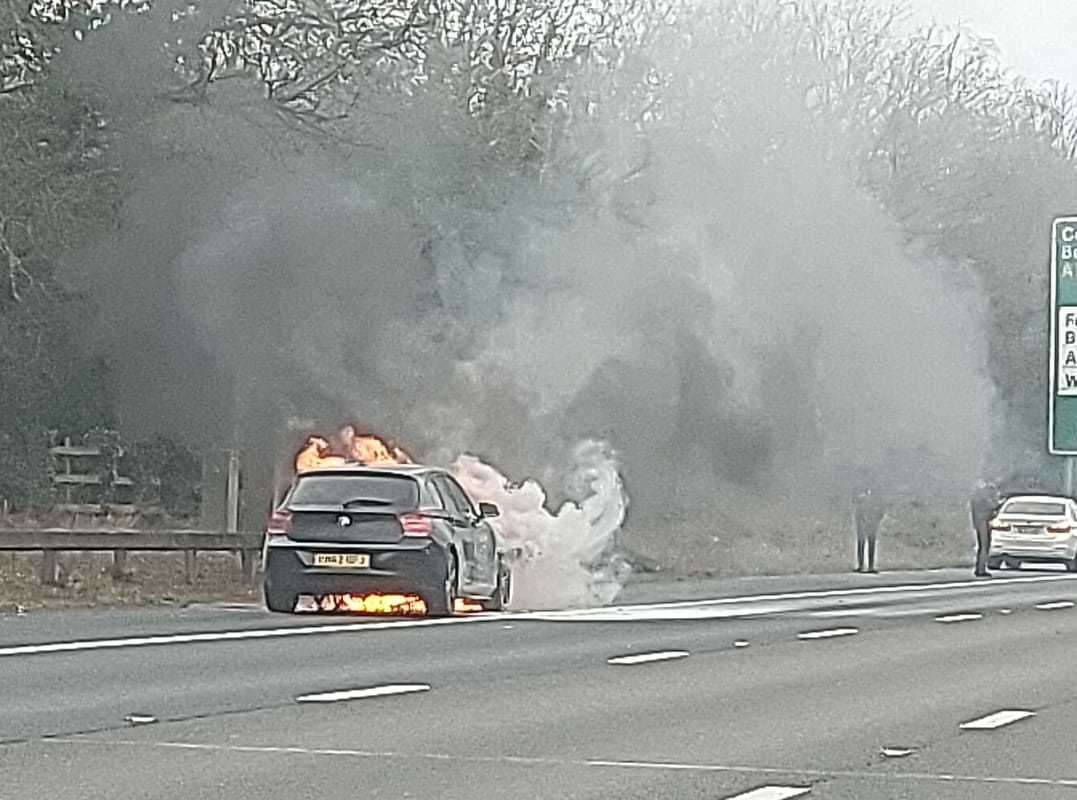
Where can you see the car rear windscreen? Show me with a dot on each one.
(397, 491)
(1032, 507)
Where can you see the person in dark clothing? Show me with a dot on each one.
(868, 514)
(983, 505)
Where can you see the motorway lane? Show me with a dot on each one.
(48, 625)
(96, 688)
(732, 718)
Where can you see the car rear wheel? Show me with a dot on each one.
(440, 603)
(502, 593)
(280, 599)
(995, 563)
(1012, 563)
(1071, 565)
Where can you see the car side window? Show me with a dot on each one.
(436, 495)
(448, 497)
(460, 497)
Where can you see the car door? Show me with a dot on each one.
(1072, 520)
(463, 533)
(483, 539)
(478, 575)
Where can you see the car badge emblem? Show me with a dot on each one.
(344, 521)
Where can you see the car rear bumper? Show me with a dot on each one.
(1059, 550)
(403, 569)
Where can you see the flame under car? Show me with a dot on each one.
(374, 531)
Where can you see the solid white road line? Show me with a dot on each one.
(828, 634)
(773, 793)
(647, 658)
(359, 694)
(959, 618)
(807, 595)
(616, 613)
(1055, 606)
(226, 636)
(996, 720)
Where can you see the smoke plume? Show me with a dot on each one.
(713, 292)
(560, 558)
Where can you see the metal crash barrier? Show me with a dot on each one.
(51, 541)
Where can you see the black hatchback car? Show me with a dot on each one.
(404, 529)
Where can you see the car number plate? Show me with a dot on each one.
(348, 560)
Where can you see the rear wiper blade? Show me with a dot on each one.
(366, 501)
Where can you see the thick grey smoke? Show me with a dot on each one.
(559, 557)
(712, 292)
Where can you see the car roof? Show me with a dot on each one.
(364, 469)
(1039, 498)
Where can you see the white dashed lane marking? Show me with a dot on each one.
(959, 618)
(828, 634)
(996, 720)
(360, 694)
(1055, 606)
(773, 793)
(647, 658)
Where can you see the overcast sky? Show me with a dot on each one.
(1036, 37)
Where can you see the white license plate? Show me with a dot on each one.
(345, 560)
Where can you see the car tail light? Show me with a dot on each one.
(416, 525)
(280, 522)
(1064, 528)
(999, 526)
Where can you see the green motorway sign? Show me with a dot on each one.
(1062, 405)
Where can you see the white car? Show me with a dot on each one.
(1035, 529)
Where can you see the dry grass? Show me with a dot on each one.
(152, 578)
(773, 541)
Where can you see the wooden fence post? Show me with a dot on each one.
(248, 562)
(189, 565)
(50, 568)
(119, 564)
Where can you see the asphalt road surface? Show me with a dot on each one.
(900, 685)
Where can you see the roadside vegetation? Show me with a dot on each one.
(768, 250)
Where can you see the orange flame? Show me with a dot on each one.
(391, 604)
(316, 455)
(366, 449)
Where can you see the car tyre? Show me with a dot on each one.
(502, 592)
(1071, 565)
(441, 602)
(1012, 563)
(996, 562)
(280, 599)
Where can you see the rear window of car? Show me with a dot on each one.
(1035, 508)
(373, 490)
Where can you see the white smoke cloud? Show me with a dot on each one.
(560, 552)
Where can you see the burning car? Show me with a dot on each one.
(381, 536)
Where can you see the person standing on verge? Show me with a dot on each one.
(867, 516)
(983, 505)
